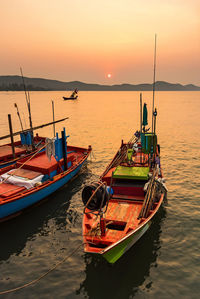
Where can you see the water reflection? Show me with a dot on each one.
(42, 219)
(123, 279)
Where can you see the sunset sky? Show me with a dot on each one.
(86, 40)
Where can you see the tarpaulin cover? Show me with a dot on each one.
(132, 173)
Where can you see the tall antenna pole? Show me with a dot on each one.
(140, 113)
(154, 83)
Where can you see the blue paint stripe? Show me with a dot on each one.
(29, 200)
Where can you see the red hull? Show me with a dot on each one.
(124, 215)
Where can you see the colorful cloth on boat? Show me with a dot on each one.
(50, 148)
(20, 181)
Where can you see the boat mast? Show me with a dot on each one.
(140, 113)
(154, 83)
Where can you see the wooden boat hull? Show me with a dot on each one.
(70, 98)
(117, 250)
(127, 215)
(17, 204)
(113, 253)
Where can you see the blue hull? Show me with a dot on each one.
(7, 164)
(9, 209)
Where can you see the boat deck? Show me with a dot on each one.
(120, 218)
(42, 164)
(7, 190)
(31, 170)
(6, 151)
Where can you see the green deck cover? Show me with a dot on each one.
(131, 173)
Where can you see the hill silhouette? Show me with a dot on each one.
(14, 83)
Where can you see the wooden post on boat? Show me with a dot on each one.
(64, 149)
(154, 133)
(11, 135)
(140, 113)
(154, 86)
(54, 128)
(141, 124)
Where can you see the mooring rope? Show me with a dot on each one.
(43, 275)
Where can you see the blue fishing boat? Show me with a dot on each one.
(28, 144)
(33, 178)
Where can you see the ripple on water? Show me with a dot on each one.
(165, 262)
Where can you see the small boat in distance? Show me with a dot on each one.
(120, 207)
(33, 178)
(73, 96)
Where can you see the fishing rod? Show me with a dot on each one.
(34, 128)
(24, 119)
(19, 116)
(27, 98)
(27, 95)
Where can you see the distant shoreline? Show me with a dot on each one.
(14, 83)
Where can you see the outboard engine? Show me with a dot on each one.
(98, 200)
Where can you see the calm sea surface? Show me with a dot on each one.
(165, 263)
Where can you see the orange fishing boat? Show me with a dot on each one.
(120, 207)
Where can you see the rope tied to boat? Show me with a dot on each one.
(96, 231)
(43, 275)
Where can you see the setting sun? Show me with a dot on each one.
(109, 76)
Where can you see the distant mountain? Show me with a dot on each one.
(15, 83)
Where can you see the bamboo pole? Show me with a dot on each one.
(11, 135)
(34, 128)
(141, 125)
(140, 113)
(148, 195)
(19, 116)
(54, 128)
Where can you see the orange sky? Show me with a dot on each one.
(87, 39)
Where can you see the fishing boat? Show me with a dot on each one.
(120, 207)
(70, 98)
(73, 96)
(33, 178)
(28, 144)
